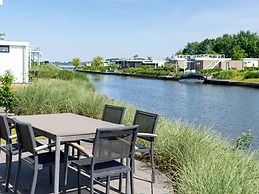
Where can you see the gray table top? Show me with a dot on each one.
(65, 124)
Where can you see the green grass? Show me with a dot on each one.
(51, 71)
(194, 159)
(54, 96)
(202, 162)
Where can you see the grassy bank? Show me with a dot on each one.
(196, 160)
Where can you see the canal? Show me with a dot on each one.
(227, 110)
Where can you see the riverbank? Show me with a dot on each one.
(231, 83)
(172, 78)
(133, 75)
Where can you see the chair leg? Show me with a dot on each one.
(120, 182)
(50, 168)
(108, 184)
(153, 178)
(79, 180)
(92, 184)
(17, 176)
(35, 177)
(131, 182)
(8, 170)
(65, 168)
(120, 177)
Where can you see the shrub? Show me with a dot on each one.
(251, 74)
(6, 94)
(146, 70)
(225, 74)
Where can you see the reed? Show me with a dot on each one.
(200, 161)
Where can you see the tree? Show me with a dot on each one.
(206, 46)
(238, 53)
(248, 42)
(242, 44)
(76, 62)
(191, 48)
(2, 36)
(180, 52)
(97, 62)
(224, 45)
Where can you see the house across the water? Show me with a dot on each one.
(137, 62)
(211, 61)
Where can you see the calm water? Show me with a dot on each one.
(228, 110)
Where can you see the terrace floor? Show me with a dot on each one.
(141, 180)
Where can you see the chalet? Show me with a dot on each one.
(137, 62)
(14, 56)
(207, 61)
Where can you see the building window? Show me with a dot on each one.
(4, 49)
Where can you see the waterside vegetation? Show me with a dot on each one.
(249, 74)
(194, 159)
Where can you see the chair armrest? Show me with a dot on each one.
(80, 148)
(146, 135)
(13, 136)
(89, 140)
(44, 147)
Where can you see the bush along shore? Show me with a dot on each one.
(194, 159)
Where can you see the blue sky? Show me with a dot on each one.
(122, 28)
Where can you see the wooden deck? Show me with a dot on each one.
(141, 180)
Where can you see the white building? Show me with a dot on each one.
(251, 62)
(14, 56)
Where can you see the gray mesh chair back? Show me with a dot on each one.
(109, 146)
(147, 128)
(147, 123)
(25, 136)
(27, 143)
(113, 114)
(4, 128)
(9, 148)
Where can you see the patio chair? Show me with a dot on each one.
(147, 128)
(37, 161)
(112, 114)
(9, 148)
(109, 146)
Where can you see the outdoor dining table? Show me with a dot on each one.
(64, 127)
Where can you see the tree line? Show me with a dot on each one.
(244, 44)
